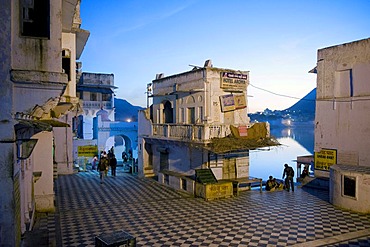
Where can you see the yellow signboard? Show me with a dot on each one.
(227, 102)
(87, 151)
(240, 101)
(325, 158)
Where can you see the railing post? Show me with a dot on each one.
(192, 132)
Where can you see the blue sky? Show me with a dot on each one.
(277, 41)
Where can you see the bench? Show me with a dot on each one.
(238, 181)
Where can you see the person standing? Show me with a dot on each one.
(94, 161)
(103, 166)
(289, 175)
(305, 172)
(113, 165)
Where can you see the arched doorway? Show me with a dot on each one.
(121, 144)
(167, 112)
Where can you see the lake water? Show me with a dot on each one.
(295, 141)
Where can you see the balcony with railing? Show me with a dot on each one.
(97, 104)
(190, 132)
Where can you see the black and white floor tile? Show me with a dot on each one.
(159, 216)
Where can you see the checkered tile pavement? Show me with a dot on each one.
(159, 216)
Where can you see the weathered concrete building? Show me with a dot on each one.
(40, 42)
(190, 112)
(342, 133)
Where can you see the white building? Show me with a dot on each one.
(40, 41)
(96, 92)
(188, 110)
(342, 133)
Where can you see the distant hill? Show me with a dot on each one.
(124, 110)
(306, 105)
(301, 112)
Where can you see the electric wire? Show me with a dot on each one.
(281, 95)
(335, 99)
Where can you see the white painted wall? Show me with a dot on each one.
(144, 129)
(342, 122)
(43, 161)
(361, 201)
(31, 74)
(64, 146)
(38, 54)
(69, 43)
(199, 89)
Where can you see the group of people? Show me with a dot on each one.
(106, 160)
(272, 184)
(126, 157)
(288, 174)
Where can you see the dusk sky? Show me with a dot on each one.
(277, 41)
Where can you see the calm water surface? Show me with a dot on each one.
(295, 141)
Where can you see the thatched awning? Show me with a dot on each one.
(233, 144)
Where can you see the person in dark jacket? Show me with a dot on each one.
(103, 166)
(113, 165)
(289, 175)
(305, 172)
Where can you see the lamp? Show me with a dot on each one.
(25, 148)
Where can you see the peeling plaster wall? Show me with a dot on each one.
(163, 90)
(30, 74)
(342, 122)
(176, 161)
(38, 54)
(240, 116)
(205, 88)
(97, 79)
(10, 229)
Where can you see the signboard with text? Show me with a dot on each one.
(87, 151)
(325, 158)
(233, 81)
(232, 102)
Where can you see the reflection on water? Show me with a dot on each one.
(297, 141)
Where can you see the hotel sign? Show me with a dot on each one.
(325, 158)
(233, 81)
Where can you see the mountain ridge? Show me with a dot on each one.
(306, 104)
(125, 111)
